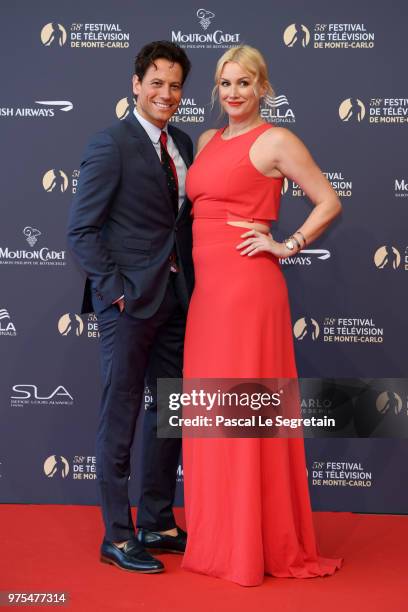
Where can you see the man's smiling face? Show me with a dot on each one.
(159, 93)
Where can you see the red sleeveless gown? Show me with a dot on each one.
(247, 501)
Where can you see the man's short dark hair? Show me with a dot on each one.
(161, 49)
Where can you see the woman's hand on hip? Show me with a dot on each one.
(258, 242)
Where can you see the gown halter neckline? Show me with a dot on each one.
(222, 130)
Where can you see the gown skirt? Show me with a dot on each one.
(247, 501)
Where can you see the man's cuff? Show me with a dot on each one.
(118, 300)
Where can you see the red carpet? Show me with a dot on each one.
(55, 548)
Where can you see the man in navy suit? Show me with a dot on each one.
(130, 229)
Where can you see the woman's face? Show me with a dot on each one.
(238, 92)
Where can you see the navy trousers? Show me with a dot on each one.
(135, 352)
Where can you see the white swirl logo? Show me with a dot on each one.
(204, 18)
(31, 235)
(63, 105)
(275, 102)
(4, 314)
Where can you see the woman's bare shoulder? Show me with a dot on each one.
(278, 139)
(205, 138)
(277, 135)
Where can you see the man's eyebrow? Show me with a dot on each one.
(162, 81)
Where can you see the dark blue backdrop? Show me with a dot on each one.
(339, 75)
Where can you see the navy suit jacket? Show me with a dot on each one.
(122, 227)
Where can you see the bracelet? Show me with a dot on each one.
(289, 243)
(296, 240)
(303, 238)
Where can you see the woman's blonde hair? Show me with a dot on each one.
(251, 60)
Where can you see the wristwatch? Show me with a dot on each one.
(290, 244)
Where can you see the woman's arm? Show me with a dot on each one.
(280, 150)
(294, 161)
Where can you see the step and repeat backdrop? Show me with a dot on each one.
(338, 70)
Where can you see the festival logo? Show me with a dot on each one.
(122, 108)
(53, 35)
(7, 327)
(379, 110)
(86, 36)
(188, 112)
(92, 326)
(352, 109)
(218, 39)
(351, 330)
(330, 36)
(74, 180)
(56, 466)
(359, 330)
(285, 186)
(70, 324)
(297, 35)
(55, 180)
(342, 185)
(81, 467)
(387, 257)
(340, 474)
(306, 327)
(388, 401)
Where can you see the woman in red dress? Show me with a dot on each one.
(247, 501)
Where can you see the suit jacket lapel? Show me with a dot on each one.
(148, 153)
(187, 160)
(180, 145)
